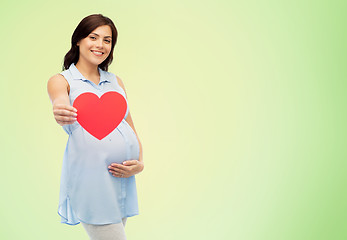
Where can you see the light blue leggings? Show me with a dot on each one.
(114, 231)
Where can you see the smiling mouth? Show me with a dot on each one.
(98, 54)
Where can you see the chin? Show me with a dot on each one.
(97, 63)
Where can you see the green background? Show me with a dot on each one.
(240, 107)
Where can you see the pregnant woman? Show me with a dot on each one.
(103, 152)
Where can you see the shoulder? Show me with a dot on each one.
(119, 80)
(57, 81)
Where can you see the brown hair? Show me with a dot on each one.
(84, 28)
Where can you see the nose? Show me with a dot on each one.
(99, 43)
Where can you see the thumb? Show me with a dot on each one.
(129, 162)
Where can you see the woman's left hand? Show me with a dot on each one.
(127, 169)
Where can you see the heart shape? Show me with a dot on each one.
(100, 116)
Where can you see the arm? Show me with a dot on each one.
(130, 121)
(57, 88)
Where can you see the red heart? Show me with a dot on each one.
(100, 116)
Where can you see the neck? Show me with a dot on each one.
(87, 69)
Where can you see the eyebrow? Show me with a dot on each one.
(98, 35)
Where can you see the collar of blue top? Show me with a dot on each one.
(77, 75)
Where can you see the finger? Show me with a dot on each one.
(116, 174)
(119, 166)
(113, 165)
(130, 162)
(118, 171)
(64, 106)
(64, 112)
(120, 175)
(65, 119)
(112, 169)
(62, 121)
(71, 108)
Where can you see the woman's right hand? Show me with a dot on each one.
(64, 114)
(58, 91)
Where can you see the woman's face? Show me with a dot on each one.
(98, 41)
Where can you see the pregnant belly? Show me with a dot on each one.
(120, 145)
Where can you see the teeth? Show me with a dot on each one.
(97, 53)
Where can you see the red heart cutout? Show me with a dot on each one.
(100, 116)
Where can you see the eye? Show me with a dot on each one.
(92, 37)
(108, 41)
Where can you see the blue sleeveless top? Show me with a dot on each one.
(88, 191)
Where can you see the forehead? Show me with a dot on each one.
(102, 31)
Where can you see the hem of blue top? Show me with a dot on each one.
(74, 224)
(76, 220)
